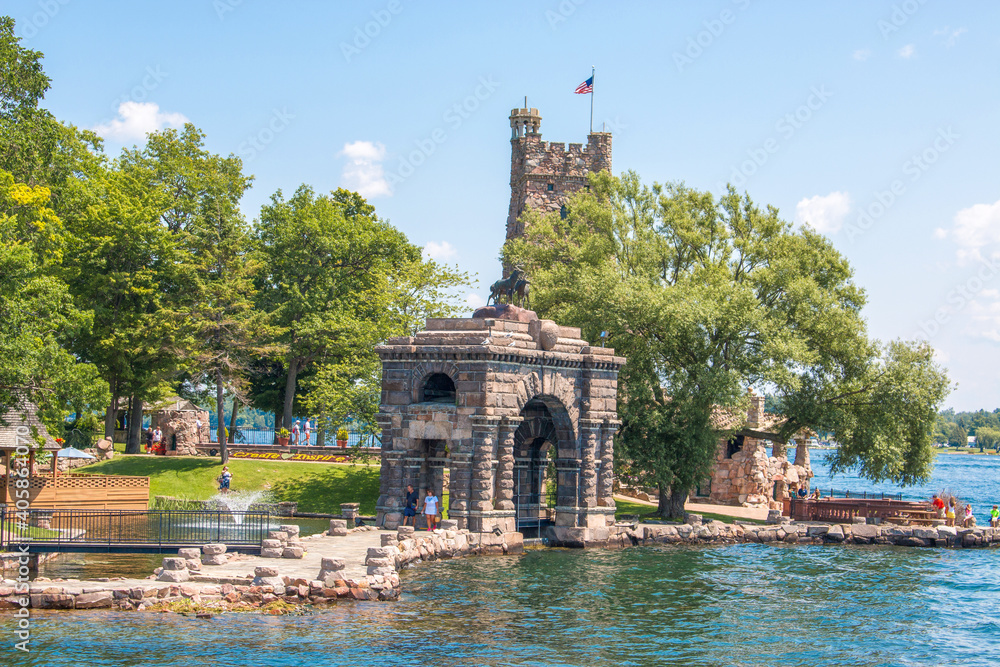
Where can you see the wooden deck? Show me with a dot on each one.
(99, 492)
(845, 510)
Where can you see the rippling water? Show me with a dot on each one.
(736, 605)
(973, 478)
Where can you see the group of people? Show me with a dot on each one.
(430, 508)
(301, 433)
(154, 441)
(949, 511)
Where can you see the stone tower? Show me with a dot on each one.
(543, 175)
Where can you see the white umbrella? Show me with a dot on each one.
(73, 453)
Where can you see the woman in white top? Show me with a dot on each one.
(431, 503)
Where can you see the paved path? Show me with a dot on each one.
(352, 548)
(726, 510)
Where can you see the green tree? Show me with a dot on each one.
(125, 266)
(988, 437)
(37, 316)
(958, 436)
(325, 280)
(706, 297)
(202, 193)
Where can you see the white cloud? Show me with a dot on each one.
(940, 233)
(363, 172)
(825, 213)
(137, 119)
(439, 252)
(473, 300)
(862, 54)
(976, 228)
(907, 51)
(950, 36)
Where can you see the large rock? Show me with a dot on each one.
(332, 565)
(214, 559)
(265, 571)
(272, 553)
(98, 600)
(174, 563)
(338, 528)
(175, 576)
(213, 549)
(292, 552)
(188, 554)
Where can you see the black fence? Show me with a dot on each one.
(130, 530)
(863, 495)
(267, 436)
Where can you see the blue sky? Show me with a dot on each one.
(874, 121)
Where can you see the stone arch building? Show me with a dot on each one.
(525, 441)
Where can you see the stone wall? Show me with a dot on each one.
(536, 165)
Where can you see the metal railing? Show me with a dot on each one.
(266, 436)
(863, 495)
(62, 528)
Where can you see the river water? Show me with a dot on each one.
(747, 605)
(973, 478)
(734, 605)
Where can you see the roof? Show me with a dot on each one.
(174, 403)
(768, 426)
(25, 414)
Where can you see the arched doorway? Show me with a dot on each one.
(536, 482)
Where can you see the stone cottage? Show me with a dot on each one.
(179, 420)
(744, 474)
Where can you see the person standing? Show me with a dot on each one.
(431, 509)
(296, 430)
(307, 429)
(994, 517)
(950, 515)
(149, 439)
(410, 510)
(158, 441)
(938, 505)
(224, 480)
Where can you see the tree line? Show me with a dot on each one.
(126, 278)
(955, 428)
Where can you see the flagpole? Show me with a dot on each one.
(592, 82)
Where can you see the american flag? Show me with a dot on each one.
(585, 87)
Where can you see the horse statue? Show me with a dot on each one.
(504, 289)
(523, 289)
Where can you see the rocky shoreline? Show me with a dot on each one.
(267, 591)
(270, 592)
(696, 531)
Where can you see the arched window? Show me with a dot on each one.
(439, 388)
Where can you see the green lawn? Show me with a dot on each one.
(317, 487)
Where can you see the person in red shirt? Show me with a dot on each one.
(938, 505)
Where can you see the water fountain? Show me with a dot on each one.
(237, 503)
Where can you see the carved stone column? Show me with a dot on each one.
(460, 462)
(484, 441)
(590, 434)
(606, 480)
(504, 487)
(391, 475)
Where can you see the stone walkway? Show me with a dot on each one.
(700, 508)
(352, 548)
